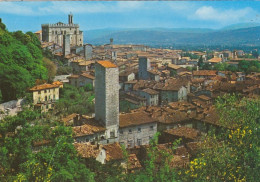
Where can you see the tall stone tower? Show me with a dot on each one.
(88, 51)
(107, 97)
(114, 56)
(144, 67)
(70, 19)
(111, 41)
(66, 45)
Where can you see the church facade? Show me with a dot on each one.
(54, 32)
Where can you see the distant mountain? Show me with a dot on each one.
(157, 36)
(241, 25)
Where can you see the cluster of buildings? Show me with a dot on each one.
(155, 87)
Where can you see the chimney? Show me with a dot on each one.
(66, 45)
(70, 18)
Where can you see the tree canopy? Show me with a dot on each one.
(20, 63)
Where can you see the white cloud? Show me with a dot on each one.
(48, 8)
(15, 8)
(228, 15)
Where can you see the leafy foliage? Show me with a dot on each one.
(75, 100)
(232, 155)
(21, 63)
(23, 160)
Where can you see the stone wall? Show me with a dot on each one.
(144, 67)
(132, 135)
(51, 33)
(107, 98)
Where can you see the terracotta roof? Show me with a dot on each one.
(135, 119)
(113, 152)
(89, 127)
(69, 118)
(107, 64)
(86, 150)
(43, 87)
(185, 132)
(173, 66)
(39, 31)
(86, 63)
(215, 60)
(204, 97)
(57, 83)
(88, 76)
(133, 162)
(205, 73)
(73, 76)
(150, 91)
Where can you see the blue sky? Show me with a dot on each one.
(28, 16)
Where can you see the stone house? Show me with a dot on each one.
(45, 95)
(81, 80)
(152, 96)
(101, 153)
(85, 79)
(74, 80)
(208, 74)
(154, 75)
(185, 133)
(175, 91)
(79, 66)
(176, 68)
(136, 129)
(126, 76)
(88, 130)
(215, 60)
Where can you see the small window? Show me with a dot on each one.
(54, 97)
(121, 132)
(112, 134)
(39, 92)
(151, 127)
(130, 131)
(139, 142)
(45, 91)
(46, 98)
(139, 129)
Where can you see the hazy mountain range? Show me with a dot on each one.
(238, 34)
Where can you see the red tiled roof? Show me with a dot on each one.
(107, 64)
(186, 132)
(89, 127)
(88, 76)
(134, 119)
(43, 87)
(113, 152)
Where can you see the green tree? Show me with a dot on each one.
(56, 161)
(21, 64)
(200, 62)
(51, 67)
(233, 154)
(75, 100)
(156, 166)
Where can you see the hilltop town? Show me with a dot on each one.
(115, 99)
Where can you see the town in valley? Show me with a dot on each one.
(75, 111)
